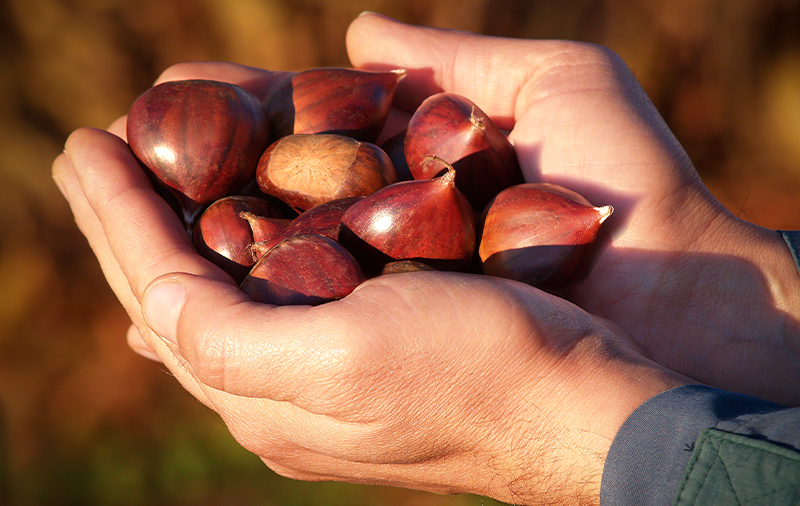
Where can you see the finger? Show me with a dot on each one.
(438, 60)
(137, 343)
(89, 225)
(143, 233)
(257, 81)
(577, 115)
(141, 340)
(245, 348)
(118, 128)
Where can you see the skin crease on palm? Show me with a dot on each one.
(458, 383)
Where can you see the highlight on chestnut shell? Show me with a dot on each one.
(427, 220)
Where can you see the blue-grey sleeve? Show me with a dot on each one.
(792, 238)
(650, 454)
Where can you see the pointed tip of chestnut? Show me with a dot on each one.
(604, 212)
(538, 233)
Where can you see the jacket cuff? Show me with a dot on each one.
(651, 451)
(792, 238)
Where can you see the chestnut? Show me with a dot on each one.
(223, 234)
(323, 219)
(426, 220)
(305, 170)
(538, 233)
(341, 101)
(200, 138)
(303, 269)
(456, 130)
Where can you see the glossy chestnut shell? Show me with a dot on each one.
(538, 233)
(200, 138)
(303, 269)
(341, 101)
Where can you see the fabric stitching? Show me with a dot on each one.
(717, 441)
(727, 442)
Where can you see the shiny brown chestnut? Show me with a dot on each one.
(305, 170)
(265, 228)
(342, 101)
(324, 219)
(538, 233)
(223, 235)
(453, 128)
(426, 220)
(200, 138)
(303, 269)
(402, 266)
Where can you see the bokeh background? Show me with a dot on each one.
(85, 421)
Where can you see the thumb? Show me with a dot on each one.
(489, 70)
(224, 340)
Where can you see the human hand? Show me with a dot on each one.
(701, 291)
(436, 381)
(312, 388)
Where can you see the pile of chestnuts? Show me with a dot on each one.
(292, 197)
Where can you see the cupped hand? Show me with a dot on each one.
(701, 291)
(436, 381)
(452, 382)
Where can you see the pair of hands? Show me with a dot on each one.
(450, 382)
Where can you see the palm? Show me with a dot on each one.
(655, 273)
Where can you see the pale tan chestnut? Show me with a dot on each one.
(305, 170)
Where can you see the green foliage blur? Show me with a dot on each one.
(85, 421)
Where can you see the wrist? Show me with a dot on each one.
(768, 252)
(768, 284)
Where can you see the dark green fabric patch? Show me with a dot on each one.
(728, 468)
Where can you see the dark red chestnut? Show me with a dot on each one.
(200, 138)
(324, 219)
(265, 228)
(453, 128)
(303, 269)
(305, 170)
(426, 220)
(223, 235)
(401, 266)
(342, 101)
(538, 233)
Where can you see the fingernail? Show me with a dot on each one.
(60, 186)
(58, 164)
(162, 304)
(378, 14)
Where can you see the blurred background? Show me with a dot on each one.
(83, 420)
